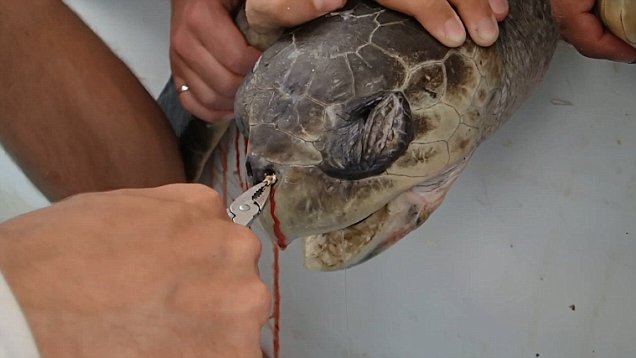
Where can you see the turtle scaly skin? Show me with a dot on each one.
(367, 121)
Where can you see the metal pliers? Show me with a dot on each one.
(250, 204)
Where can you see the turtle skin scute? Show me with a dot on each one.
(360, 106)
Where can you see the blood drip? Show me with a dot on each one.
(223, 159)
(276, 309)
(281, 244)
(238, 161)
(281, 241)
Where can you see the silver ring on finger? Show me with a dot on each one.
(183, 88)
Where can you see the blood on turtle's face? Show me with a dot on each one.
(365, 136)
(339, 177)
(334, 188)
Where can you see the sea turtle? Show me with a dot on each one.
(367, 122)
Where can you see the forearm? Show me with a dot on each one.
(71, 113)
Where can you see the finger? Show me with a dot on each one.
(245, 248)
(244, 338)
(199, 110)
(479, 20)
(499, 8)
(198, 195)
(200, 100)
(437, 17)
(192, 106)
(620, 18)
(207, 67)
(587, 34)
(267, 15)
(226, 42)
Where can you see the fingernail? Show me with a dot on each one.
(454, 32)
(327, 5)
(499, 6)
(487, 30)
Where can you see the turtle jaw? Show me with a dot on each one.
(362, 241)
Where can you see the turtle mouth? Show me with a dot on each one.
(367, 238)
(346, 247)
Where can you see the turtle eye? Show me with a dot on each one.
(375, 132)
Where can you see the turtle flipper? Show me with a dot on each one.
(197, 139)
(197, 142)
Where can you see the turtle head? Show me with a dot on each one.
(343, 183)
(365, 135)
(337, 177)
(363, 138)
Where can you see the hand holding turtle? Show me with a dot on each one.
(147, 272)
(580, 26)
(208, 55)
(442, 18)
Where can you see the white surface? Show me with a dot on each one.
(544, 217)
(15, 337)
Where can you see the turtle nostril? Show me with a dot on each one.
(268, 172)
(257, 169)
(248, 169)
(261, 174)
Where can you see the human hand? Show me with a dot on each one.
(619, 16)
(210, 55)
(147, 272)
(442, 18)
(580, 26)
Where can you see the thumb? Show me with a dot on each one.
(268, 15)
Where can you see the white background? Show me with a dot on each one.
(543, 218)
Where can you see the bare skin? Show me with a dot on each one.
(209, 53)
(73, 116)
(580, 26)
(445, 20)
(137, 273)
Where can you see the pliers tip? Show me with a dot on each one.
(250, 203)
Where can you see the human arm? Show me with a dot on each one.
(72, 115)
(141, 272)
(580, 25)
